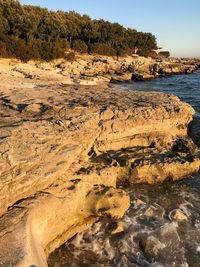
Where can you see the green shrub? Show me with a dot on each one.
(70, 56)
(80, 46)
(153, 54)
(102, 49)
(123, 51)
(165, 54)
(3, 51)
(46, 51)
(143, 52)
(58, 49)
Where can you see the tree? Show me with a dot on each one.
(46, 35)
(80, 46)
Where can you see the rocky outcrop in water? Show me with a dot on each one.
(66, 148)
(163, 67)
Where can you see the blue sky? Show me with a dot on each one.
(175, 23)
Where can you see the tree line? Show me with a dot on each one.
(31, 32)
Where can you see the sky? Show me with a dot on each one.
(175, 23)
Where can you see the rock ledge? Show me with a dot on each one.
(66, 148)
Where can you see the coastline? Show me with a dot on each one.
(98, 70)
(49, 113)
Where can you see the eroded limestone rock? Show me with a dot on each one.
(45, 221)
(64, 148)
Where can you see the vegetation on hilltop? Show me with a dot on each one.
(31, 32)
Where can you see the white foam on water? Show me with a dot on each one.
(183, 207)
(198, 248)
(156, 264)
(171, 243)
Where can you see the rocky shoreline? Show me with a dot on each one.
(98, 70)
(69, 143)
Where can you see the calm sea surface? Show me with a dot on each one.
(186, 87)
(150, 237)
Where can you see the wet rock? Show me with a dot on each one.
(177, 215)
(194, 130)
(116, 228)
(198, 248)
(139, 202)
(151, 246)
(180, 145)
(107, 201)
(154, 166)
(81, 203)
(142, 76)
(121, 77)
(149, 212)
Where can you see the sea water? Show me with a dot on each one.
(150, 236)
(185, 86)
